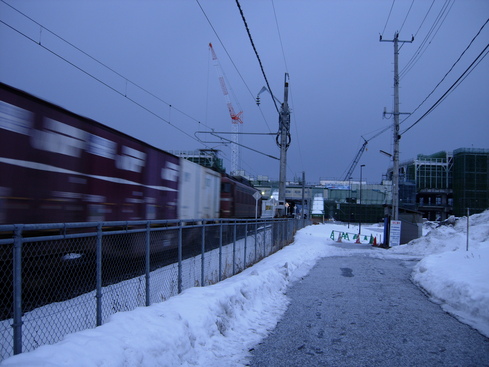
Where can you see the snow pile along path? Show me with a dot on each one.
(218, 324)
(455, 277)
(214, 325)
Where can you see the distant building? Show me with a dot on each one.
(205, 157)
(470, 180)
(436, 185)
(445, 183)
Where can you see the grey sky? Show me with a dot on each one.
(341, 76)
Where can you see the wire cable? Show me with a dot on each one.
(402, 26)
(231, 59)
(257, 56)
(452, 87)
(280, 37)
(448, 72)
(440, 19)
(93, 59)
(388, 17)
(426, 15)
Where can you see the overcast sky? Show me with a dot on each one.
(341, 76)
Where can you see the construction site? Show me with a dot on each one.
(436, 186)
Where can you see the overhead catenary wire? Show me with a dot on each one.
(232, 61)
(280, 37)
(39, 42)
(257, 55)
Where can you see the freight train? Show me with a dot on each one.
(57, 166)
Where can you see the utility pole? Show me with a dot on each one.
(397, 137)
(283, 142)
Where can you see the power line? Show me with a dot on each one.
(98, 62)
(257, 56)
(448, 72)
(402, 26)
(388, 17)
(102, 82)
(440, 19)
(426, 15)
(446, 94)
(231, 59)
(280, 37)
(467, 71)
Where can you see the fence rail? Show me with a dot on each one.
(62, 278)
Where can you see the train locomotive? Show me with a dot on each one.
(57, 167)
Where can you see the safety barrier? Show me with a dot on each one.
(342, 236)
(61, 278)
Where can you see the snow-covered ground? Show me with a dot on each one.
(218, 324)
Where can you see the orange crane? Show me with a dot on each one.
(235, 117)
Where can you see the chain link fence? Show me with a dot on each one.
(58, 279)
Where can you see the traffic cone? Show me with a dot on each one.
(371, 239)
(339, 237)
(375, 242)
(332, 235)
(358, 239)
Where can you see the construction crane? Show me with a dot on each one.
(362, 149)
(235, 117)
(356, 159)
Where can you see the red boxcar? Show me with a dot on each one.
(56, 166)
(237, 199)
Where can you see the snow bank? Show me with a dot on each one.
(214, 325)
(218, 324)
(455, 277)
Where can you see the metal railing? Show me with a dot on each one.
(58, 279)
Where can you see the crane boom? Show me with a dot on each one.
(235, 117)
(355, 160)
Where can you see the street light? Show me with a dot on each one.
(360, 215)
(349, 201)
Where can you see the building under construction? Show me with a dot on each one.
(446, 183)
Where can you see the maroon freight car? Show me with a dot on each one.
(56, 166)
(237, 199)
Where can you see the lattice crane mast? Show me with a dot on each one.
(235, 117)
(356, 159)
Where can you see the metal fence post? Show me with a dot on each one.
(256, 240)
(180, 253)
(17, 273)
(148, 263)
(220, 252)
(202, 256)
(234, 247)
(245, 243)
(98, 294)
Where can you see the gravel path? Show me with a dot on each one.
(361, 311)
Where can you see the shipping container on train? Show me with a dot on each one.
(56, 166)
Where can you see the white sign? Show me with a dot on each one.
(257, 196)
(395, 233)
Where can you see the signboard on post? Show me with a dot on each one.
(257, 197)
(395, 233)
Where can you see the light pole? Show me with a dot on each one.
(360, 215)
(349, 201)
